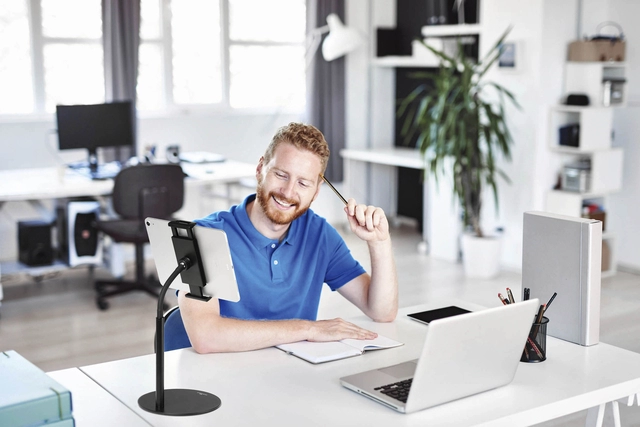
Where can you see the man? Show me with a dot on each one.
(283, 253)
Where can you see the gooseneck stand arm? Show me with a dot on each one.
(178, 401)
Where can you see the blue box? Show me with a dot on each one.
(29, 397)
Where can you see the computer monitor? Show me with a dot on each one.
(94, 126)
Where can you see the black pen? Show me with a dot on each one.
(550, 301)
(334, 190)
(526, 295)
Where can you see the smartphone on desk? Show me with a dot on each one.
(438, 313)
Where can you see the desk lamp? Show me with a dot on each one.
(191, 269)
(340, 40)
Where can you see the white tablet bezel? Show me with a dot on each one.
(214, 251)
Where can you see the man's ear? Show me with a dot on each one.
(315, 196)
(259, 167)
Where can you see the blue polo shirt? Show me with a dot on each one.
(282, 280)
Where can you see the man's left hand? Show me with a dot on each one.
(368, 222)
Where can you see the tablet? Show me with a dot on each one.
(215, 253)
(438, 313)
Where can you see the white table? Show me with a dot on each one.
(93, 406)
(40, 184)
(269, 387)
(440, 211)
(393, 157)
(58, 183)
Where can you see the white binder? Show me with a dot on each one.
(563, 254)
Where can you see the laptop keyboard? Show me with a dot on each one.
(399, 390)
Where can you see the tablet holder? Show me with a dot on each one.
(179, 401)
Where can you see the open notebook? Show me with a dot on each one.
(320, 352)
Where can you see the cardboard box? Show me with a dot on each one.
(597, 50)
(606, 256)
(29, 397)
(599, 215)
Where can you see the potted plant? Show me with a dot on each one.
(459, 125)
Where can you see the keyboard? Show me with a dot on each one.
(104, 171)
(399, 390)
(201, 157)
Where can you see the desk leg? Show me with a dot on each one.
(598, 416)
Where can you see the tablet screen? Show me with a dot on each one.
(438, 313)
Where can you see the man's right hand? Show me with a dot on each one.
(336, 330)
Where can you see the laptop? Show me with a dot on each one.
(462, 355)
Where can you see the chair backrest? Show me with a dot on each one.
(148, 190)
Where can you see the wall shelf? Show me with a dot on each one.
(451, 30)
(404, 61)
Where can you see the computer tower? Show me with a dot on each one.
(34, 243)
(563, 254)
(78, 238)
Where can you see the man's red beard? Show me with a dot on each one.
(276, 216)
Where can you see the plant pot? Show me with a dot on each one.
(481, 256)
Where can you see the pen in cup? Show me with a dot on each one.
(334, 189)
(550, 301)
(510, 295)
(503, 299)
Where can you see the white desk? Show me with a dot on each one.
(269, 387)
(54, 183)
(40, 184)
(440, 213)
(93, 406)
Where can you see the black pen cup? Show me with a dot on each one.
(535, 349)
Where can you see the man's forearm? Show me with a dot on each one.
(221, 334)
(382, 298)
(228, 335)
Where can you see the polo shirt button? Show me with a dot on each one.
(275, 262)
(273, 245)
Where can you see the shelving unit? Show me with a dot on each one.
(594, 143)
(587, 77)
(394, 187)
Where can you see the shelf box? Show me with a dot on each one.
(595, 127)
(606, 170)
(564, 203)
(608, 255)
(586, 78)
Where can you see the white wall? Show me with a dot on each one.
(622, 212)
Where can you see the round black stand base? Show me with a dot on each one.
(180, 402)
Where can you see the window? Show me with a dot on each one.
(224, 53)
(266, 53)
(16, 89)
(230, 53)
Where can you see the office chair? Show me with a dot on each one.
(175, 335)
(139, 192)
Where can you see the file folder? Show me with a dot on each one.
(563, 254)
(29, 397)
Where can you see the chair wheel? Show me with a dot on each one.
(102, 304)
